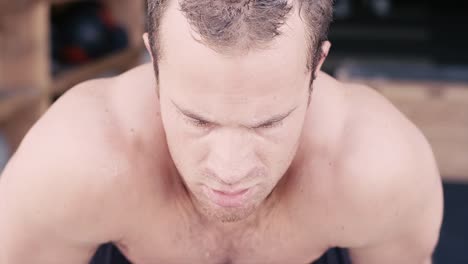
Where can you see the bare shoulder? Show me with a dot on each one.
(70, 169)
(388, 176)
(83, 165)
(376, 134)
(99, 120)
(83, 123)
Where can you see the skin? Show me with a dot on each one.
(112, 161)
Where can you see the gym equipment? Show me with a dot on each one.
(85, 31)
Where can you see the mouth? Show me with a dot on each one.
(228, 198)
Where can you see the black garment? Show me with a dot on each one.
(335, 256)
(109, 254)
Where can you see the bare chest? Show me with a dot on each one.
(291, 235)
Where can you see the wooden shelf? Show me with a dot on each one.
(25, 61)
(120, 61)
(11, 102)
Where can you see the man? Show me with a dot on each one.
(239, 151)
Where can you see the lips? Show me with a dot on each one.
(228, 198)
(231, 193)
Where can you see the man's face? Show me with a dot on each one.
(233, 123)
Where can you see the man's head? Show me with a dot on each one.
(234, 80)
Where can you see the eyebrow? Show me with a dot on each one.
(273, 119)
(191, 114)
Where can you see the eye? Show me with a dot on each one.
(270, 124)
(198, 122)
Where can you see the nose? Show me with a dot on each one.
(232, 157)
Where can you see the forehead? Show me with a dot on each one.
(282, 61)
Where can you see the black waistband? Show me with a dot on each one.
(109, 254)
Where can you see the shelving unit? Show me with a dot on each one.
(26, 83)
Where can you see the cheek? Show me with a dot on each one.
(174, 137)
(185, 150)
(277, 154)
(173, 127)
(286, 137)
(276, 157)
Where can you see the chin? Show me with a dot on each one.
(228, 215)
(231, 215)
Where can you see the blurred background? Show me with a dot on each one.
(414, 52)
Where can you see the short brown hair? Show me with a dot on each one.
(245, 23)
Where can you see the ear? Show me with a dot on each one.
(147, 45)
(326, 45)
